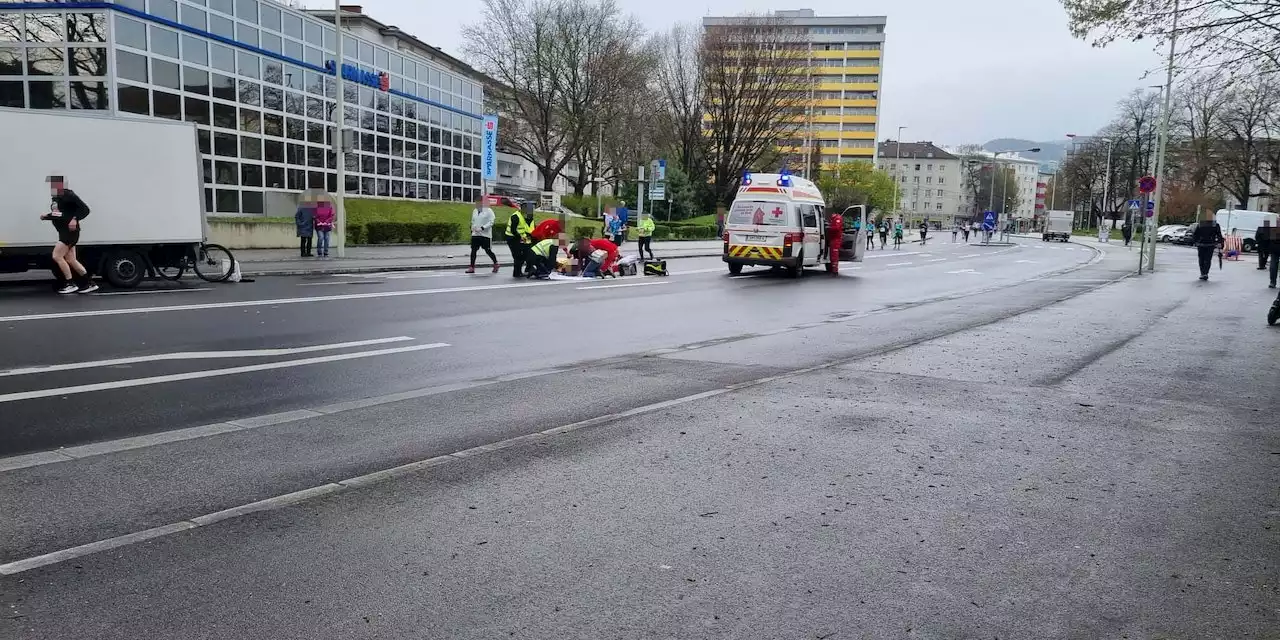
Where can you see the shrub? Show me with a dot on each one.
(355, 234)
(393, 232)
(661, 232)
(585, 204)
(582, 231)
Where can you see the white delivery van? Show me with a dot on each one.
(1057, 225)
(1243, 223)
(140, 178)
(779, 220)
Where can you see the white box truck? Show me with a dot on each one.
(140, 178)
(1244, 223)
(1057, 225)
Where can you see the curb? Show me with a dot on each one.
(247, 270)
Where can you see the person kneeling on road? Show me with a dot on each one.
(543, 257)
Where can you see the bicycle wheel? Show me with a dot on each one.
(214, 263)
(172, 272)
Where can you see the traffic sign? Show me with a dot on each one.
(1135, 205)
(989, 220)
(658, 191)
(1147, 184)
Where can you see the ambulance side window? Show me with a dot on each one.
(808, 216)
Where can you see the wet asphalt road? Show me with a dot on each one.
(966, 461)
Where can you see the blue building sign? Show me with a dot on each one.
(489, 149)
(355, 74)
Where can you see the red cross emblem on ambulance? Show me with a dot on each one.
(777, 212)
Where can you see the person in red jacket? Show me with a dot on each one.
(547, 230)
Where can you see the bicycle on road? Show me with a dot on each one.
(210, 262)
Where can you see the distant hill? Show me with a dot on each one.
(1049, 151)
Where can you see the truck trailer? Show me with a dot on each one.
(141, 179)
(1057, 226)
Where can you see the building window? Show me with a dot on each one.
(939, 206)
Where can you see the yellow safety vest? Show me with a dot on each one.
(543, 248)
(522, 230)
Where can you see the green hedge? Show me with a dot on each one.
(355, 234)
(667, 231)
(415, 232)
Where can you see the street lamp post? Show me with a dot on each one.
(1164, 131)
(340, 197)
(897, 184)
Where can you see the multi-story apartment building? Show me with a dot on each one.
(1026, 174)
(843, 56)
(257, 78)
(930, 181)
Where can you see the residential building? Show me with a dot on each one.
(257, 78)
(1026, 174)
(930, 181)
(843, 55)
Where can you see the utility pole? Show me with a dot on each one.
(340, 198)
(1164, 131)
(898, 184)
(599, 153)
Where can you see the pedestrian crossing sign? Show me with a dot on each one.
(1135, 205)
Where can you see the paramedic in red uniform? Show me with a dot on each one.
(835, 236)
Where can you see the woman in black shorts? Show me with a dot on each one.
(66, 212)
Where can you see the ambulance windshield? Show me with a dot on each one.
(760, 212)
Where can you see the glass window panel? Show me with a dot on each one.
(316, 109)
(296, 154)
(247, 34)
(251, 175)
(195, 50)
(315, 179)
(366, 53)
(89, 95)
(293, 103)
(384, 187)
(313, 33)
(384, 145)
(366, 120)
(272, 71)
(247, 65)
(167, 9)
(250, 93)
(44, 27)
(12, 60)
(397, 168)
(11, 28)
(315, 132)
(227, 200)
(221, 26)
(274, 150)
(366, 98)
(223, 87)
(50, 61)
(314, 56)
(380, 101)
(206, 147)
(273, 124)
(130, 66)
(397, 147)
(293, 77)
(225, 6)
(166, 74)
(47, 94)
(314, 83)
(397, 127)
(88, 61)
(315, 157)
(273, 98)
(328, 39)
(367, 142)
(295, 129)
(272, 42)
(166, 105)
(195, 80)
(394, 83)
(196, 110)
(131, 33)
(292, 25)
(223, 58)
(253, 202)
(270, 17)
(368, 164)
(251, 147)
(132, 99)
(226, 172)
(247, 10)
(163, 41)
(224, 116)
(275, 177)
(293, 49)
(195, 18)
(380, 58)
(224, 144)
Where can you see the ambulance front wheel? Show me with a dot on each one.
(734, 268)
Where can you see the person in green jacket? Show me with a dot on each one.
(646, 228)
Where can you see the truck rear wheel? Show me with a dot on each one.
(124, 268)
(734, 268)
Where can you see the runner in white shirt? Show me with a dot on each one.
(482, 233)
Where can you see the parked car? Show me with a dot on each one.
(1166, 232)
(1182, 236)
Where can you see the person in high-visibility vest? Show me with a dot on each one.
(519, 237)
(646, 228)
(542, 257)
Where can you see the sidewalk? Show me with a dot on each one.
(368, 259)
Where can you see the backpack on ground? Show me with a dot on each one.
(655, 267)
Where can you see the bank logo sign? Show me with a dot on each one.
(489, 148)
(380, 81)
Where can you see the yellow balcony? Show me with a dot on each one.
(841, 55)
(844, 70)
(847, 86)
(844, 103)
(857, 135)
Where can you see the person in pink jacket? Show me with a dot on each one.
(324, 226)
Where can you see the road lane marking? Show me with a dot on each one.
(149, 291)
(892, 255)
(966, 271)
(339, 282)
(936, 260)
(618, 286)
(972, 255)
(1026, 262)
(898, 264)
(211, 373)
(201, 355)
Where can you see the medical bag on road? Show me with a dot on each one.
(655, 267)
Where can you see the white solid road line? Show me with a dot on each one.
(892, 255)
(898, 264)
(201, 355)
(618, 286)
(972, 255)
(966, 271)
(936, 260)
(148, 291)
(194, 375)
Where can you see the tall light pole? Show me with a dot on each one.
(897, 184)
(1164, 131)
(1074, 224)
(340, 198)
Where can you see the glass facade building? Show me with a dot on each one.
(259, 80)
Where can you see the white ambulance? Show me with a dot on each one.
(780, 220)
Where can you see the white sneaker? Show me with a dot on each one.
(89, 289)
(71, 288)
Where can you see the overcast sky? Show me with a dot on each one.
(955, 71)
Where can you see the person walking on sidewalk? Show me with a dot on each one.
(1207, 237)
(324, 225)
(645, 229)
(65, 212)
(1262, 238)
(1126, 231)
(955, 233)
(924, 232)
(482, 233)
(304, 218)
(519, 236)
(1273, 252)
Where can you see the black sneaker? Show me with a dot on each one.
(88, 289)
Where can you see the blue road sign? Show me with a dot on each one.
(989, 221)
(489, 149)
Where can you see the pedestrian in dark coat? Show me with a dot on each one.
(305, 220)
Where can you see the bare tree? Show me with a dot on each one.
(681, 93)
(1197, 121)
(755, 78)
(1250, 108)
